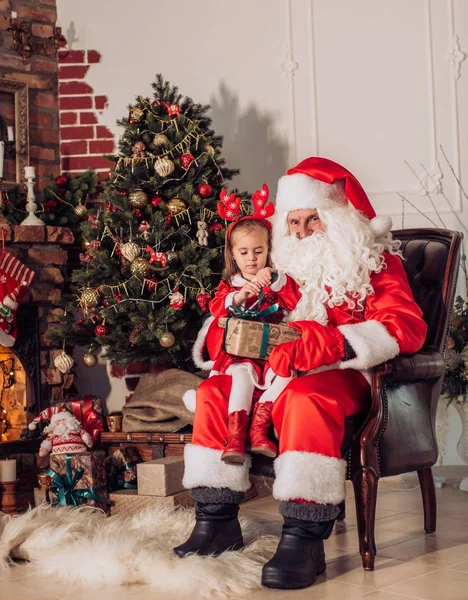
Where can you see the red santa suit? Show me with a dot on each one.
(309, 416)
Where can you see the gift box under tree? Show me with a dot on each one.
(79, 479)
(121, 468)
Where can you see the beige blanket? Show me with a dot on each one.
(156, 404)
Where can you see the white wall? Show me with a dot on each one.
(368, 83)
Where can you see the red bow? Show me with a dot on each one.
(89, 418)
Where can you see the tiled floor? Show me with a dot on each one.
(410, 564)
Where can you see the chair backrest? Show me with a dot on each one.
(432, 258)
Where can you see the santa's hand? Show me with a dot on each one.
(319, 345)
(263, 276)
(281, 358)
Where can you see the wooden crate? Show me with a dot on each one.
(149, 445)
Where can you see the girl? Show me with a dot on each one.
(248, 272)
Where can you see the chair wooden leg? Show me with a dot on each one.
(365, 483)
(342, 514)
(426, 481)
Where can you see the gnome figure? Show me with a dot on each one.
(65, 435)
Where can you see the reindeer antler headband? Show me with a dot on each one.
(230, 208)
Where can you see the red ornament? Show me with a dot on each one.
(216, 227)
(61, 181)
(173, 109)
(186, 160)
(105, 303)
(202, 300)
(205, 190)
(176, 300)
(118, 297)
(102, 330)
(123, 192)
(156, 201)
(160, 257)
(169, 219)
(137, 212)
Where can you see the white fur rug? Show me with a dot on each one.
(81, 545)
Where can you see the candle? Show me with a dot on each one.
(29, 172)
(2, 152)
(8, 469)
(10, 134)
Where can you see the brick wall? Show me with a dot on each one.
(83, 140)
(40, 73)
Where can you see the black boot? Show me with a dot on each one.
(217, 529)
(300, 556)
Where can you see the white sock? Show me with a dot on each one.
(242, 389)
(275, 389)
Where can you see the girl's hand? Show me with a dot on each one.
(263, 276)
(251, 288)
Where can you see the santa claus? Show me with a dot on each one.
(356, 311)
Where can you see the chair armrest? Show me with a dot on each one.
(426, 364)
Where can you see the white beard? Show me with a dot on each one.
(332, 268)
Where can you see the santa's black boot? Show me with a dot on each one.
(300, 555)
(217, 529)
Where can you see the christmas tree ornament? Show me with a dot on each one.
(85, 244)
(137, 212)
(172, 257)
(202, 233)
(209, 150)
(63, 362)
(138, 199)
(90, 359)
(61, 181)
(156, 201)
(173, 110)
(80, 211)
(164, 167)
(102, 330)
(136, 115)
(159, 257)
(203, 299)
(138, 150)
(186, 160)
(167, 340)
(216, 227)
(176, 300)
(151, 284)
(89, 298)
(144, 229)
(140, 268)
(205, 190)
(160, 140)
(176, 206)
(123, 192)
(130, 251)
(136, 332)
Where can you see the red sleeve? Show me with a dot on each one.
(289, 295)
(217, 305)
(393, 321)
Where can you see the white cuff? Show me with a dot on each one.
(371, 342)
(279, 283)
(204, 468)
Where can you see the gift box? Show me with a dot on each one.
(128, 502)
(161, 477)
(79, 479)
(88, 411)
(121, 468)
(254, 339)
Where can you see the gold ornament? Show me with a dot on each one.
(85, 244)
(63, 362)
(90, 359)
(130, 251)
(167, 339)
(138, 199)
(172, 256)
(176, 206)
(160, 140)
(164, 167)
(80, 211)
(140, 268)
(89, 298)
(209, 150)
(136, 115)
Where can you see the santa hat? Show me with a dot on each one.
(322, 183)
(45, 415)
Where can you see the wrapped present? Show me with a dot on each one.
(88, 411)
(161, 477)
(128, 502)
(78, 479)
(121, 468)
(254, 339)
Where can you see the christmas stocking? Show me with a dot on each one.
(15, 278)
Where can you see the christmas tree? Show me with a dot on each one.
(154, 250)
